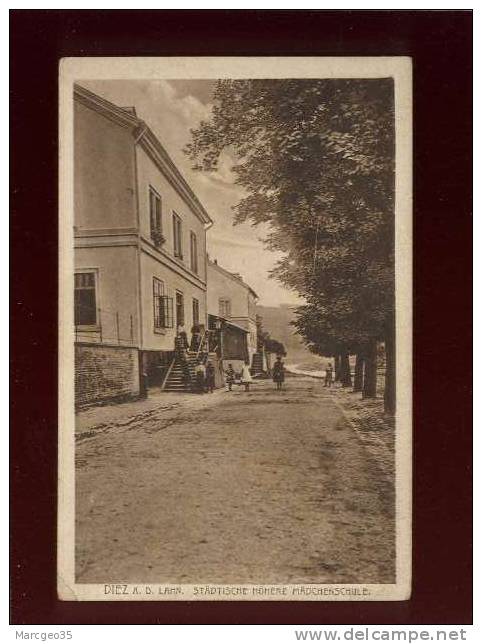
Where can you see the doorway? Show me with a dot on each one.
(179, 309)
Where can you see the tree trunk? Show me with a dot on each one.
(345, 370)
(337, 368)
(389, 400)
(358, 383)
(370, 375)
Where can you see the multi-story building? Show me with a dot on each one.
(231, 300)
(140, 248)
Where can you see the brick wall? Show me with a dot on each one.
(105, 373)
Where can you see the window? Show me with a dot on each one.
(85, 299)
(194, 265)
(163, 318)
(177, 229)
(195, 311)
(179, 309)
(155, 217)
(224, 307)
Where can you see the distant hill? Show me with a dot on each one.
(276, 321)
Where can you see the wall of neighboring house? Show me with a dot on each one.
(105, 223)
(223, 286)
(113, 242)
(171, 201)
(175, 273)
(104, 173)
(116, 288)
(105, 220)
(163, 339)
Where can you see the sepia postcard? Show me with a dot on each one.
(235, 338)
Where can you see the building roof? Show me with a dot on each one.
(234, 276)
(229, 322)
(145, 137)
(131, 110)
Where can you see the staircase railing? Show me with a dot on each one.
(186, 370)
(168, 372)
(201, 343)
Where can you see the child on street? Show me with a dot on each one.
(279, 373)
(230, 377)
(328, 376)
(210, 377)
(246, 377)
(200, 377)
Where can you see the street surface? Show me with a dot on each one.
(260, 487)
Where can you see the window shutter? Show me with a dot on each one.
(158, 214)
(174, 231)
(167, 312)
(151, 212)
(179, 237)
(194, 264)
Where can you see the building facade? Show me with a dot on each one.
(229, 298)
(139, 233)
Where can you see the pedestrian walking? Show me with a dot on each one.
(230, 377)
(200, 378)
(210, 377)
(328, 375)
(278, 373)
(246, 377)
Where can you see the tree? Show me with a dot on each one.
(359, 367)
(316, 160)
(274, 346)
(266, 342)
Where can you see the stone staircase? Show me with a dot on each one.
(257, 364)
(177, 380)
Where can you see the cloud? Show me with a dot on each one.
(216, 240)
(187, 111)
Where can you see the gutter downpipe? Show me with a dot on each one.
(206, 228)
(139, 267)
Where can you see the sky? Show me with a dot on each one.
(171, 108)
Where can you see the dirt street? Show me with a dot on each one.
(259, 487)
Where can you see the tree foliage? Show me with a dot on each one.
(316, 159)
(266, 342)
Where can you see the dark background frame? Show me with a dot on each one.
(440, 43)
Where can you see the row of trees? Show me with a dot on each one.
(316, 159)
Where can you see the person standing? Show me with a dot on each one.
(246, 377)
(328, 375)
(279, 373)
(200, 377)
(195, 338)
(210, 377)
(230, 377)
